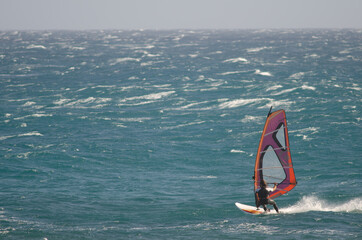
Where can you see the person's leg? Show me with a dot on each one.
(272, 202)
(264, 206)
(257, 204)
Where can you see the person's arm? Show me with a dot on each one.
(275, 186)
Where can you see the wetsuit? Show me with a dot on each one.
(263, 199)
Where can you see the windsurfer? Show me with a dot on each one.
(262, 196)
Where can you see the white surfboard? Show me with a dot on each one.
(252, 210)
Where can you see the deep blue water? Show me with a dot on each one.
(153, 134)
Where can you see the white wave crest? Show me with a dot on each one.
(62, 101)
(250, 50)
(152, 96)
(298, 75)
(33, 46)
(284, 91)
(237, 151)
(233, 72)
(313, 203)
(35, 133)
(306, 87)
(242, 102)
(248, 118)
(236, 60)
(275, 87)
(204, 177)
(41, 115)
(28, 103)
(122, 60)
(258, 72)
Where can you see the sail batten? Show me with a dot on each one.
(273, 168)
(271, 132)
(275, 149)
(273, 162)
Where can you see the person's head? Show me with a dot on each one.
(263, 183)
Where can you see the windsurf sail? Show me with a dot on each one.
(273, 161)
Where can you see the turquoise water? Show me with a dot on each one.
(153, 134)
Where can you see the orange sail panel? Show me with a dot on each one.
(273, 161)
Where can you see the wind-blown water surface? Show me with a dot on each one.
(153, 134)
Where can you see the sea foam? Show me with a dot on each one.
(313, 203)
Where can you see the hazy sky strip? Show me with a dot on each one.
(178, 14)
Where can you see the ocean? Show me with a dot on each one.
(153, 134)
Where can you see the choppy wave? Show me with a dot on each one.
(242, 102)
(258, 72)
(123, 60)
(130, 119)
(152, 96)
(236, 151)
(236, 60)
(33, 46)
(258, 49)
(262, 102)
(34, 133)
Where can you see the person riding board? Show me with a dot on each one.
(262, 196)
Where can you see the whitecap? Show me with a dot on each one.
(192, 105)
(346, 51)
(62, 101)
(6, 137)
(33, 46)
(136, 104)
(249, 118)
(314, 55)
(28, 103)
(338, 59)
(103, 100)
(298, 75)
(81, 101)
(152, 96)
(275, 87)
(204, 177)
(236, 60)
(278, 103)
(233, 72)
(140, 119)
(242, 102)
(184, 125)
(149, 63)
(355, 88)
(258, 72)
(306, 132)
(237, 151)
(122, 60)
(41, 115)
(76, 48)
(153, 55)
(284, 91)
(252, 50)
(306, 87)
(34, 133)
(104, 86)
